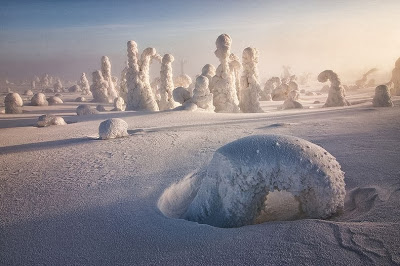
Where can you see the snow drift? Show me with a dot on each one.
(233, 189)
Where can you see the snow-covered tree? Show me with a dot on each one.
(166, 84)
(336, 95)
(396, 79)
(382, 97)
(99, 88)
(106, 73)
(13, 103)
(58, 86)
(84, 84)
(201, 94)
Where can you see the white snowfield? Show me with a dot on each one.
(67, 198)
(243, 172)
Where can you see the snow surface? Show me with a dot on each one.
(69, 199)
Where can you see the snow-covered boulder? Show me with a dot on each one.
(13, 103)
(53, 100)
(113, 128)
(39, 99)
(382, 97)
(85, 110)
(49, 120)
(233, 189)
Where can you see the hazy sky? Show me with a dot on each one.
(65, 38)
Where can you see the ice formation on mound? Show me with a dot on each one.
(235, 185)
(85, 110)
(49, 120)
(291, 101)
(53, 100)
(269, 87)
(201, 94)
(113, 128)
(99, 88)
(58, 86)
(28, 93)
(223, 83)
(395, 80)
(39, 99)
(119, 104)
(208, 71)
(336, 95)
(13, 103)
(140, 94)
(361, 83)
(106, 73)
(382, 97)
(84, 84)
(166, 87)
(250, 87)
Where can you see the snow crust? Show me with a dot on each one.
(113, 128)
(242, 173)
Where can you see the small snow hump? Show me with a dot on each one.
(113, 128)
(242, 174)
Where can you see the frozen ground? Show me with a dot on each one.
(69, 199)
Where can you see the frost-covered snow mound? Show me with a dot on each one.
(49, 120)
(113, 128)
(237, 182)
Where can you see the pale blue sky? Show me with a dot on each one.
(65, 38)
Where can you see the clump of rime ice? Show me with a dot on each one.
(166, 87)
(13, 103)
(223, 83)
(269, 86)
(85, 110)
(39, 99)
(232, 190)
(119, 104)
(140, 95)
(208, 71)
(250, 87)
(84, 84)
(336, 95)
(382, 97)
(235, 66)
(99, 88)
(113, 128)
(201, 94)
(54, 100)
(106, 73)
(181, 95)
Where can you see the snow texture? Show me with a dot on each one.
(84, 84)
(140, 94)
(336, 95)
(106, 73)
(49, 120)
(242, 173)
(396, 78)
(113, 128)
(39, 99)
(85, 110)
(13, 103)
(166, 87)
(382, 97)
(53, 100)
(223, 83)
(201, 94)
(250, 87)
(99, 88)
(119, 104)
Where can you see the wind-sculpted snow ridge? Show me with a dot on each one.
(140, 94)
(336, 95)
(113, 128)
(233, 189)
(250, 87)
(223, 83)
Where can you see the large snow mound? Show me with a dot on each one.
(237, 182)
(113, 128)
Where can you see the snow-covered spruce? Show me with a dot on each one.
(99, 88)
(181, 95)
(336, 95)
(235, 66)
(183, 80)
(223, 83)
(396, 79)
(291, 101)
(39, 99)
(85, 110)
(269, 86)
(113, 128)
(237, 181)
(249, 85)
(382, 97)
(140, 95)
(84, 84)
(119, 104)
(208, 71)
(53, 100)
(13, 103)
(58, 86)
(123, 89)
(201, 94)
(362, 83)
(166, 84)
(106, 73)
(49, 120)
